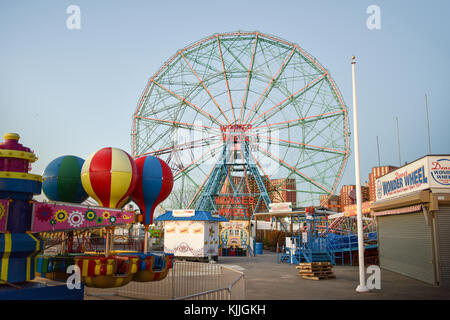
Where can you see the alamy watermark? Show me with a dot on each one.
(73, 22)
(373, 21)
(74, 280)
(374, 280)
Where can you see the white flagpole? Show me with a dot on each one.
(362, 273)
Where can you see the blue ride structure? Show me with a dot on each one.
(319, 240)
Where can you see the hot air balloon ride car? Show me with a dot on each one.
(109, 175)
(155, 182)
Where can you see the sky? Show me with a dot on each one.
(75, 91)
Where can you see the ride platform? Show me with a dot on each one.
(40, 289)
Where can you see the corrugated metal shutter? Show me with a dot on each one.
(443, 239)
(405, 246)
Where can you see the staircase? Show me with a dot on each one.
(316, 256)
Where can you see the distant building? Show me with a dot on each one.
(332, 202)
(286, 191)
(345, 199)
(376, 173)
(279, 190)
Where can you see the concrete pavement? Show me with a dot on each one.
(265, 279)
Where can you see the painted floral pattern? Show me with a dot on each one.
(90, 215)
(44, 213)
(61, 215)
(76, 219)
(54, 216)
(106, 215)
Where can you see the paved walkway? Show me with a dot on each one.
(265, 279)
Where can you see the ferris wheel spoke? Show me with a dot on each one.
(281, 105)
(249, 78)
(201, 111)
(271, 84)
(236, 58)
(184, 146)
(283, 142)
(265, 174)
(226, 79)
(203, 64)
(327, 174)
(311, 102)
(157, 139)
(315, 163)
(201, 186)
(204, 86)
(185, 173)
(290, 123)
(320, 131)
(171, 123)
(205, 155)
(286, 165)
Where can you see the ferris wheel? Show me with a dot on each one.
(244, 113)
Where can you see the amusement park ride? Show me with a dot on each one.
(111, 177)
(244, 116)
(245, 119)
(240, 120)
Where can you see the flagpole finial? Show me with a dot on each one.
(353, 59)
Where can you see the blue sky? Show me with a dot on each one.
(74, 91)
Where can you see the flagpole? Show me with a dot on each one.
(428, 125)
(362, 273)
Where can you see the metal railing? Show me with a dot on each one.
(186, 280)
(235, 291)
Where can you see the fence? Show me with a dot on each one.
(186, 280)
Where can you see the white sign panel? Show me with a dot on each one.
(280, 207)
(336, 215)
(440, 171)
(428, 172)
(191, 238)
(305, 237)
(183, 213)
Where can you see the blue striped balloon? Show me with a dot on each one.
(155, 182)
(62, 180)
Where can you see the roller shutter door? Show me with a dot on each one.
(405, 246)
(443, 240)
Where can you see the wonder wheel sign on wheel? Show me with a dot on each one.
(244, 119)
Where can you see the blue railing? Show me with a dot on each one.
(332, 245)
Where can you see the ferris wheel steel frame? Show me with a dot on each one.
(184, 90)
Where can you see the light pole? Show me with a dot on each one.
(428, 125)
(362, 273)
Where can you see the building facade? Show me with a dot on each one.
(374, 175)
(345, 199)
(412, 209)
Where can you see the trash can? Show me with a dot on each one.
(258, 248)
